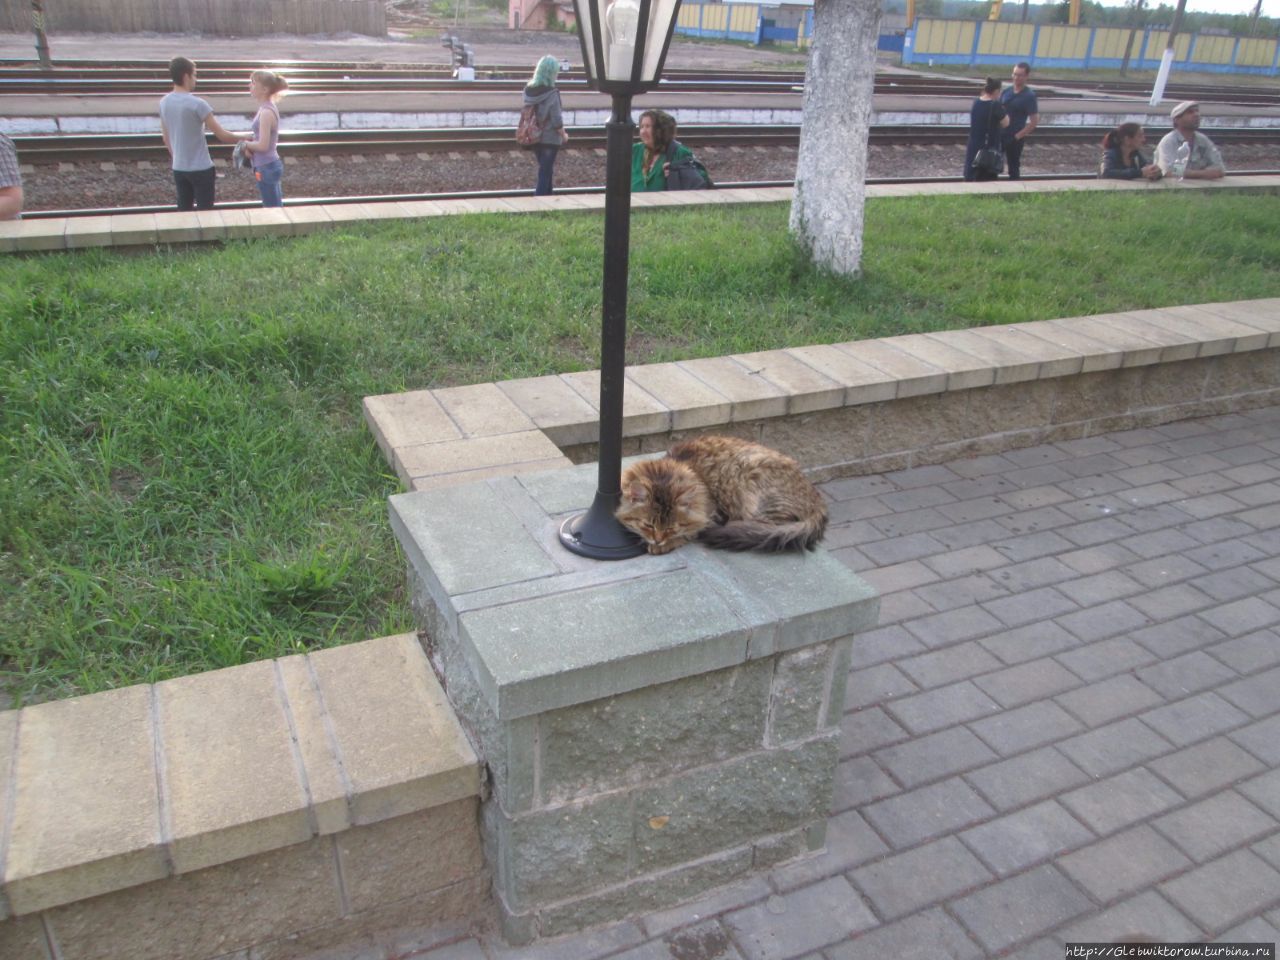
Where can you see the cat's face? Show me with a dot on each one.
(664, 503)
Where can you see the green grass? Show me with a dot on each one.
(185, 478)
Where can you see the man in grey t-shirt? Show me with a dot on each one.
(10, 181)
(184, 118)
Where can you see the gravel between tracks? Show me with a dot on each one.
(130, 184)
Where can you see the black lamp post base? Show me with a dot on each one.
(598, 534)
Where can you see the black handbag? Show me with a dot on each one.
(686, 174)
(990, 159)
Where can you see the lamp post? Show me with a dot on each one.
(624, 44)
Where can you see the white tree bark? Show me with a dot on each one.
(831, 170)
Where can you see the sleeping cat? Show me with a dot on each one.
(726, 493)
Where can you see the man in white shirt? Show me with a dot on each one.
(1204, 162)
(184, 118)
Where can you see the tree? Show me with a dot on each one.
(831, 170)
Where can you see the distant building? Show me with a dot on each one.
(540, 14)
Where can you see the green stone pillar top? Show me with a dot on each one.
(542, 628)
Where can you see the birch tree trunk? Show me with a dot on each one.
(831, 170)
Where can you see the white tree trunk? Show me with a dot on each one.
(831, 170)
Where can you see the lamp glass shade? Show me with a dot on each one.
(614, 31)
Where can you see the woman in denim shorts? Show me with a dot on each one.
(268, 169)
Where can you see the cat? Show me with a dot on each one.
(724, 492)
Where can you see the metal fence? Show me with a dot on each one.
(240, 18)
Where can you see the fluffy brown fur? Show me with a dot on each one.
(725, 492)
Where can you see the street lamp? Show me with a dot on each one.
(624, 44)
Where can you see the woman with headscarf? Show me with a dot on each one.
(653, 155)
(541, 93)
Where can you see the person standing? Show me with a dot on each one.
(184, 118)
(541, 93)
(268, 169)
(986, 120)
(1203, 160)
(1023, 109)
(10, 181)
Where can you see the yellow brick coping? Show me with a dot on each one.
(173, 227)
(434, 438)
(115, 789)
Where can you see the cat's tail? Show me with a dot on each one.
(766, 537)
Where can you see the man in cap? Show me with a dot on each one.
(1204, 161)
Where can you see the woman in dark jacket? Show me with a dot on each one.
(1122, 159)
(986, 119)
(542, 93)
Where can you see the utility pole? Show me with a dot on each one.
(1253, 18)
(42, 42)
(1167, 60)
(1133, 30)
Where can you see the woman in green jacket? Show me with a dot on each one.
(649, 157)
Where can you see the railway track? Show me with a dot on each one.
(98, 148)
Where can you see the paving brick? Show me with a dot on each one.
(860, 781)
(1222, 892)
(849, 843)
(1172, 601)
(902, 606)
(1162, 571)
(1033, 573)
(1221, 552)
(1108, 700)
(1102, 621)
(916, 498)
(1262, 739)
(1094, 559)
(1202, 482)
(960, 592)
(1020, 908)
(1109, 805)
(1256, 930)
(899, 576)
(1269, 850)
(1243, 616)
(1114, 747)
(975, 532)
(1029, 607)
(1031, 521)
(1105, 658)
(982, 508)
(1100, 588)
(1249, 653)
(1030, 642)
(788, 925)
(1014, 731)
(958, 563)
(1035, 680)
(852, 487)
(942, 707)
(875, 685)
(1017, 840)
(929, 874)
(1215, 825)
(927, 812)
(1124, 863)
(934, 757)
(868, 729)
(1193, 719)
(1206, 767)
(1257, 494)
(900, 549)
(953, 663)
(1021, 780)
(590, 945)
(915, 477)
(1167, 640)
(1032, 545)
(1157, 542)
(1147, 917)
(885, 643)
(953, 626)
(1265, 792)
(931, 934)
(1185, 674)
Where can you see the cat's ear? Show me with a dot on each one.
(637, 493)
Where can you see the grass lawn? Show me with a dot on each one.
(185, 478)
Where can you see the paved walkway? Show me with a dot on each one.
(1067, 727)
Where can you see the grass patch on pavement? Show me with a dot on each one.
(186, 481)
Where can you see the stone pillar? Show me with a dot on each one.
(653, 727)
